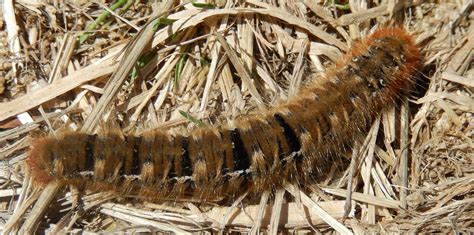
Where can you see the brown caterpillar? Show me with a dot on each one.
(293, 142)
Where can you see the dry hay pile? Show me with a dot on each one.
(415, 171)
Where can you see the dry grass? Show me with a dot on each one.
(212, 63)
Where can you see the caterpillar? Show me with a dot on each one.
(293, 142)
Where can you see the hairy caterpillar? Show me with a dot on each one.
(293, 142)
